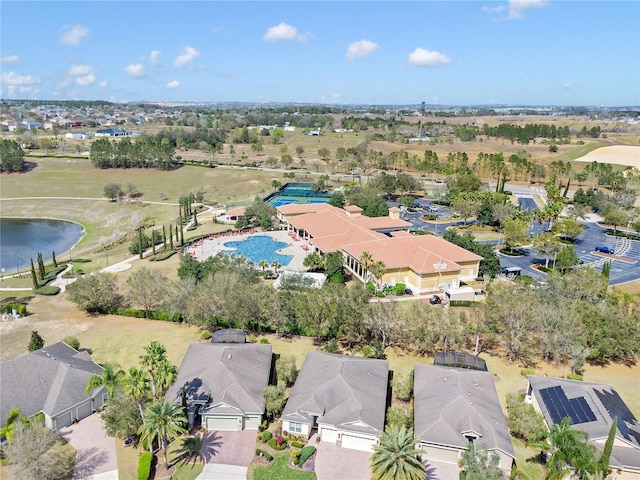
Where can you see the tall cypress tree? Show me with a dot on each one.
(181, 236)
(140, 243)
(34, 278)
(164, 237)
(171, 237)
(153, 242)
(53, 259)
(41, 269)
(603, 461)
(195, 219)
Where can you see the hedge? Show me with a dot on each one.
(274, 444)
(163, 256)
(630, 236)
(527, 371)
(571, 376)
(305, 453)
(144, 465)
(47, 290)
(462, 303)
(264, 454)
(20, 308)
(81, 260)
(295, 444)
(150, 315)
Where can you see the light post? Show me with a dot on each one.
(107, 255)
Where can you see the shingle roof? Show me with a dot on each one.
(233, 375)
(605, 405)
(450, 403)
(347, 392)
(50, 380)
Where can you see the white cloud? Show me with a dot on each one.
(187, 55)
(71, 35)
(285, 32)
(153, 56)
(422, 57)
(135, 70)
(86, 80)
(103, 84)
(10, 59)
(361, 48)
(173, 84)
(78, 70)
(567, 85)
(15, 79)
(518, 7)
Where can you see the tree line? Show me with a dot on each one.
(145, 152)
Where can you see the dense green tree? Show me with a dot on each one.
(396, 416)
(163, 421)
(313, 262)
(258, 213)
(147, 288)
(480, 464)
(403, 386)
(516, 232)
(461, 183)
(566, 258)
(287, 370)
(97, 293)
(274, 400)
(396, 457)
(337, 200)
(122, 416)
(616, 217)
(36, 342)
(113, 191)
(524, 422)
(369, 199)
(11, 156)
(547, 245)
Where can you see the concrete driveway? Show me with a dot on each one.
(95, 451)
(440, 470)
(227, 454)
(336, 463)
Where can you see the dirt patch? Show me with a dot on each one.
(626, 155)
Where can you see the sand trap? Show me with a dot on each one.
(626, 155)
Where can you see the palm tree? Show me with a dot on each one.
(276, 265)
(570, 451)
(366, 260)
(166, 374)
(156, 353)
(163, 421)
(397, 458)
(262, 264)
(378, 269)
(110, 377)
(190, 448)
(137, 386)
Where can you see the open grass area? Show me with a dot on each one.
(278, 469)
(128, 464)
(525, 460)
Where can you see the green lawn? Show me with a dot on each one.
(525, 460)
(278, 469)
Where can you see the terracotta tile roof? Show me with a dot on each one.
(300, 208)
(423, 254)
(353, 208)
(235, 211)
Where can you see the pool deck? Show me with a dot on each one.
(209, 247)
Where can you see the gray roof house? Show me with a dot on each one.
(591, 407)
(222, 383)
(51, 380)
(453, 407)
(343, 397)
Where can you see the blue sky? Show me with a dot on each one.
(529, 52)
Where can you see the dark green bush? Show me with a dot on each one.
(266, 436)
(571, 376)
(630, 236)
(305, 453)
(263, 426)
(295, 444)
(164, 255)
(371, 288)
(273, 444)
(430, 216)
(332, 346)
(264, 340)
(527, 371)
(151, 315)
(399, 289)
(144, 465)
(264, 454)
(48, 290)
(81, 260)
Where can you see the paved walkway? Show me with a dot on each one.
(95, 451)
(215, 471)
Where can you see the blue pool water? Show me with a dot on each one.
(260, 247)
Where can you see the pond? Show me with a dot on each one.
(22, 238)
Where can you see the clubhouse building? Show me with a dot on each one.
(423, 263)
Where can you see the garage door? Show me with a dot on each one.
(328, 435)
(85, 410)
(63, 420)
(355, 442)
(441, 454)
(223, 423)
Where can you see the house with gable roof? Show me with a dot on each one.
(340, 397)
(51, 381)
(222, 383)
(453, 407)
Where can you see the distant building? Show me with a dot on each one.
(113, 132)
(75, 135)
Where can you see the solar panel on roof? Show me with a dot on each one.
(559, 406)
(627, 423)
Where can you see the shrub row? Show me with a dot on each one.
(162, 256)
(295, 444)
(273, 443)
(81, 260)
(144, 465)
(20, 308)
(264, 454)
(151, 315)
(571, 376)
(630, 236)
(305, 453)
(462, 303)
(53, 273)
(527, 371)
(47, 290)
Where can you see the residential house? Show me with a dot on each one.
(424, 263)
(222, 384)
(51, 381)
(453, 407)
(342, 398)
(75, 135)
(592, 408)
(113, 132)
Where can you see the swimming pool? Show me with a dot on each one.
(260, 247)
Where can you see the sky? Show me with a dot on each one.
(480, 52)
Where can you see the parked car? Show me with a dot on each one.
(604, 249)
(408, 291)
(435, 300)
